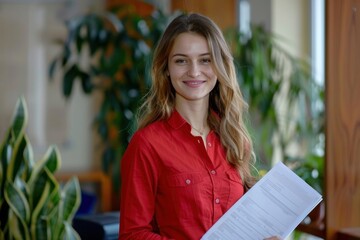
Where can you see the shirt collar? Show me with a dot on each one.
(176, 121)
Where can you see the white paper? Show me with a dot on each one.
(274, 206)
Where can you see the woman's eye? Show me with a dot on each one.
(180, 61)
(206, 60)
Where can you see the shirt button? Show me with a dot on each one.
(188, 181)
(209, 144)
(217, 201)
(198, 141)
(213, 172)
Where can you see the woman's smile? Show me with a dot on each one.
(194, 83)
(190, 68)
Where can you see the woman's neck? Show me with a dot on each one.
(196, 114)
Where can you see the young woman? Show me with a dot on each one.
(190, 160)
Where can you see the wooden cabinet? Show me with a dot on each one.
(342, 178)
(223, 12)
(138, 6)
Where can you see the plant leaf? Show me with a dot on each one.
(46, 203)
(54, 195)
(3, 162)
(20, 118)
(70, 233)
(17, 129)
(71, 199)
(16, 166)
(86, 84)
(28, 160)
(17, 201)
(55, 225)
(38, 187)
(17, 227)
(52, 68)
(51, 160)
(69, 79)
(38, 226)
(92, 27)
(2, 234)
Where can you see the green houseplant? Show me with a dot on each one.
(117, 45)
(33, 205)
(281, 95)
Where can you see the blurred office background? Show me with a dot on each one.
(30, 30)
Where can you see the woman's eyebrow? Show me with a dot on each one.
(185, 55)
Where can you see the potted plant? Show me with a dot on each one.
(33, 205)
(281, 94)
(117, 47)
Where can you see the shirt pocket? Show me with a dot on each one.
(185, 180)
(185, 193)
(235, 185)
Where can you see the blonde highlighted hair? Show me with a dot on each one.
(225, 99)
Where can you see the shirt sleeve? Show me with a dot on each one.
(139, 179)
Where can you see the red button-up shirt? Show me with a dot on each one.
(172, 186)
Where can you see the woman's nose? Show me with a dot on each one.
(194, 70)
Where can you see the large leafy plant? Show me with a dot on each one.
(285, 103)
(110, 53)
(33, 205)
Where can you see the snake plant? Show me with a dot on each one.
(33, 205)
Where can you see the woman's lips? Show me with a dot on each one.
(194, 83)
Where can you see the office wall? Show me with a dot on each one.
(291, 21)
(28, 31)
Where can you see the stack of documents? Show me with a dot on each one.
(274, 206)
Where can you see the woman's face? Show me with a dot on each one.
(190, 68)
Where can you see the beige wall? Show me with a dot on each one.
(291, 21)
(26, 48)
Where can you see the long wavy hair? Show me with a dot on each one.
(225, 99)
